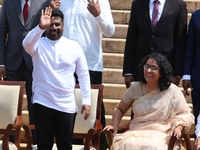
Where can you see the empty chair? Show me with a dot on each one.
(11, 98)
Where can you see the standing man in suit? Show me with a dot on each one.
(17, 18)
(166, 37)
(86, 21)
(191, 70)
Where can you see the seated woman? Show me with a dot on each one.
(158, 105)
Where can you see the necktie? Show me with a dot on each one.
(155, 14)
(25, 10)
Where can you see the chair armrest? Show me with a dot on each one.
(5, 144)
(93, 132)
(9, 131)
(186, 138)
(18, 123)
(28, 134)
(98, 126)
(110, 136)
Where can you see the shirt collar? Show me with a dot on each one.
(161, 1)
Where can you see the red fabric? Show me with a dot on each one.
(25, 10)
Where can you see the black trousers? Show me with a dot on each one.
(196, 102)
(96, 78)
(49, 123)
(24, 74)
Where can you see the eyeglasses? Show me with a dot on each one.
(153, 68)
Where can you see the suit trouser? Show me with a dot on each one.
(24, 74)
(96, 78)
(50, 122)
(196, 102)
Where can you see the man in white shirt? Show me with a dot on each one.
(85, 22)
(55, 59)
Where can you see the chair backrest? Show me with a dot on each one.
(11, 98)
(82, 127)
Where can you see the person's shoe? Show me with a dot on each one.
(12, 138)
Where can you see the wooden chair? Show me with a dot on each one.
(11, 98)
(88, 130)
(185, 137)
(173, 139)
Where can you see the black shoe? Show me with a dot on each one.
(12, 138)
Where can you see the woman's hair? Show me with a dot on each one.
(165, 70)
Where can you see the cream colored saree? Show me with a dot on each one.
(156, 114)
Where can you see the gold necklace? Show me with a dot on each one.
(151, 90)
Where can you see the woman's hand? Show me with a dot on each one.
(177, 131)
(108, 128)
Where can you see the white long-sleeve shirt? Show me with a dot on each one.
(53, 74)
(80, 25)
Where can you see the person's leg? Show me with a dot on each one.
(44, 119)
(196, 102)
(96, 78)
(64, 127)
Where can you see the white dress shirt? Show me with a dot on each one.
(160, 8)
(54, 65)
(186, 77)
(23, 3)
(80, 25)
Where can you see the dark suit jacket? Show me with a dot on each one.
(169, 37)
(13, 28)
(192, 54)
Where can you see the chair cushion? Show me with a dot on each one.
(8, 104)
(81, 125)
(12, 146)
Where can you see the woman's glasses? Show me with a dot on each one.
(153, 68)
